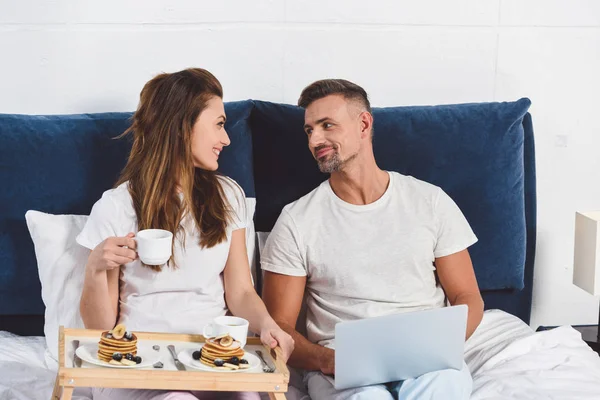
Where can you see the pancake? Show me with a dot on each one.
(109, 344)
(213, 350)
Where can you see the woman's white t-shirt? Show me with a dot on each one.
(178, 300)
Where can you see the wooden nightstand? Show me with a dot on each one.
(589, 333)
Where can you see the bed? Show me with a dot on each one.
(481, 154)
(506, 358)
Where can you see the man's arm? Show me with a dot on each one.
(283, 297)
(457, 277)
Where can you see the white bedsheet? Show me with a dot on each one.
(507, 360)
(24, 374)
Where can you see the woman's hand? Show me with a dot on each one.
(112, 253)
(272, 335)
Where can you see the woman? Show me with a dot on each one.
(170, 183)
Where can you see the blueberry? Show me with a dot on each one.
(219, 362)
(243, 361)
(117, 356)
(196, 355)
(128, 335)
(129, 356)
(234, 361)
(137, 359)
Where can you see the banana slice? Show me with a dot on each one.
(226, 341)
(231, 366)
(119, 331)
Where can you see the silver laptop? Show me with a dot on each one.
(400, 346)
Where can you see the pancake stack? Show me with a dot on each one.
(223, 352)
(118, 341)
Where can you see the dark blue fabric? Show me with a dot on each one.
(473, 151)
(284, 168)
(518, 302)
(55, 164)
(62, 164)
(236, 159)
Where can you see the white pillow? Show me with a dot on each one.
(61, 266)
(262, 240)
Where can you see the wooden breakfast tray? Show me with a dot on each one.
(168, 378)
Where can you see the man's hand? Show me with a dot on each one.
(328, 361)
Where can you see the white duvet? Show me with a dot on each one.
(506, 358)
(509, 361)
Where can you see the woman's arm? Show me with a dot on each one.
(243, 301)
(99, 302)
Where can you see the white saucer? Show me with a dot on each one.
(89, 353)
(185, 356)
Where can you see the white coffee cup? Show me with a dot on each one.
(154, 246)
(236, 327)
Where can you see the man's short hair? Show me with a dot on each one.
(326, 87)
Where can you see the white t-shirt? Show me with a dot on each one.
(369, 260)
(176, 300)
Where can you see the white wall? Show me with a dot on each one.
(89, 56)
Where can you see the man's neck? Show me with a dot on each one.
(360, 184)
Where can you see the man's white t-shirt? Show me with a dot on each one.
(369, 260)
(176, 300)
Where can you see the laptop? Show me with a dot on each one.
(400, 346)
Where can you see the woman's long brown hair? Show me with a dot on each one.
(161, 165)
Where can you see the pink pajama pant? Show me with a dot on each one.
(137, 394)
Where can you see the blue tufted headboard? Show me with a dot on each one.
(62, 164)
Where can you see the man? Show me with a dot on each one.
(365, 243)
